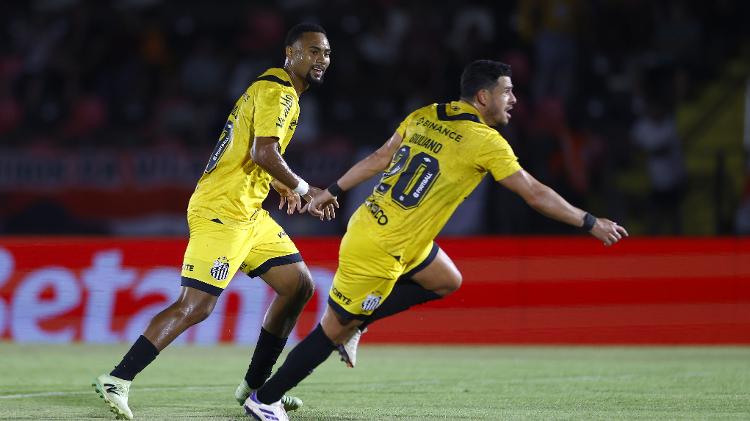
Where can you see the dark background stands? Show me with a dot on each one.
(108, 110)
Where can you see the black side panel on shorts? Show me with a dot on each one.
(276, 261)
(344, 313)
(202, 286)
(430, 257)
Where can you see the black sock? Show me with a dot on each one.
(267, 351)
(138, 357)
(300, 363)
(405, 294)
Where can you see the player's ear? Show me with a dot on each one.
(289, 51)
(482, 96)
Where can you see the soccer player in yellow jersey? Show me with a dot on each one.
(230, 231)
(388, 260)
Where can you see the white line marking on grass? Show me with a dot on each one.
(80, 392)
(156, 389)
(41, 394)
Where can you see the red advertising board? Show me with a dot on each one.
(538, 290)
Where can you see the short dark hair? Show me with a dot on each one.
(481, 74)
(297, 30)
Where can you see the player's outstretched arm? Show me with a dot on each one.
(374, 163)
(547, 202)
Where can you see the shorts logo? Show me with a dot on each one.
(371, 302)
(220, 269)
(343, 298)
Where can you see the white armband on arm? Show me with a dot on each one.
(302, 187)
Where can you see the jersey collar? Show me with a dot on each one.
(461, 107)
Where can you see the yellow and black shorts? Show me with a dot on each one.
(217, 250)
(367, 273)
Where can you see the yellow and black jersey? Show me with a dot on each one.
(233, 187)
(445, 152)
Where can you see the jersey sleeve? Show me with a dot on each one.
(401, 130)
(272, 112)
(497, 157)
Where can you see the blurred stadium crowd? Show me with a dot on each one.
(109, 109)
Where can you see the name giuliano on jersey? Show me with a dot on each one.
(445, 152)
(232, 186)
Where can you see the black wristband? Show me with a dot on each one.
(588, 222)
(334, 189)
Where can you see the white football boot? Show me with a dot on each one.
(348, 350)
(263, 412)
(243, 391)
(114, 391)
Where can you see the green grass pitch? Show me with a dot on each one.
(49, 382)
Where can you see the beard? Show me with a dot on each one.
(311, 81)
(499, 117)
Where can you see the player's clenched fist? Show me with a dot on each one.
(607, 231)
(321, 204)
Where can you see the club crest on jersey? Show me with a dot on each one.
(371, 302)
(220, 269)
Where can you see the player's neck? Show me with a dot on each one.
(473, 105)
(300, 85)
(478, 108)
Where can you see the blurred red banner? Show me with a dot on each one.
(538, 290)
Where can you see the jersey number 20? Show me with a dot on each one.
(414, 181)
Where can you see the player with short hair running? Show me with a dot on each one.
(230, 231)
(388, 260)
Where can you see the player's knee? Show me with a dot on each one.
(192, 314)
(452, 283)
(337, 328)
(305, 286)
(200, 314)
